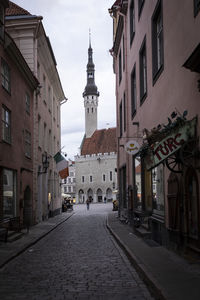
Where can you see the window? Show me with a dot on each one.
(111, 176)
(157, 42)
(120, 119)
(120, 66)
(27, 141)
(9, 193)
(90, 178)
(5, 75)
(104, 177)
(123, 53)
(83, 179)
(157, 175)
(44, 88)
(132, 21)
(196, 7)
(140, 6)
(27, 99)
(133, 92)
(6, 125)
(1, 22)
(71, 174)
(138, 184)
(143, 72)
(124, 112)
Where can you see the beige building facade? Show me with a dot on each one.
(29, 34)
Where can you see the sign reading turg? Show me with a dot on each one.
(170, 144)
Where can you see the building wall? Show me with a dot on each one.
(175, 89)
(13, 160)
(31, 39)
(96, 166)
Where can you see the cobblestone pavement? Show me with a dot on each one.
(77, 260)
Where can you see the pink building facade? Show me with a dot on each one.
(156, 54)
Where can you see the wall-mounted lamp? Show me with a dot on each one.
(45, 163)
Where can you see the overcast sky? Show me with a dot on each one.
(67, 25)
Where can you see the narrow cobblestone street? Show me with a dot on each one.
(77, 260)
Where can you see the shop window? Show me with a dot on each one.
(148, 190)
(158, 189)
(122, 185)
(138, 184)
(143, 72)
(157, 42)
(9, 193)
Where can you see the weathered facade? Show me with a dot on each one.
(17, 91)
(96, 165)
(154, 51)
(28, 32)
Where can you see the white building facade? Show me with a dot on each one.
(96, 177)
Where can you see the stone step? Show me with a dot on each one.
(13, 236)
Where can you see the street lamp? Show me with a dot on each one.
(45, 163)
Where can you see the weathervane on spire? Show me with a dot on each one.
(89, 37)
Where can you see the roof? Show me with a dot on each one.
(15, 10)
(102, 141)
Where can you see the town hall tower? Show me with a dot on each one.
(90, 96)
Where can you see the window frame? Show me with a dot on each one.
(132, 21)
(5, 76)
(6, 137)
(120, 119)
(196, 7)
(120, 66)
(143, 71)
(140, 7)
(28, 103)
(133, 92)
(27, 143)
(2, 21)
(157, 42)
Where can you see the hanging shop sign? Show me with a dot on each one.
(170, 144)
(132, 147)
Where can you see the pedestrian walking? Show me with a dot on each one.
(88, 204)
(104, 199)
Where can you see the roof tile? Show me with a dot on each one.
(15, 10)
(102, 141)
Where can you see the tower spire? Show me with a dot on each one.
(90, 95)
(89, 38)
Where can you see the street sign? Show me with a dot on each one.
(132, 147)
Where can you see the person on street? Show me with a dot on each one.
(88, 204)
